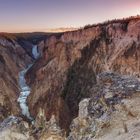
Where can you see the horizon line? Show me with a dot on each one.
(65, 29)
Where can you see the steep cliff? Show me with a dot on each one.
(67, 71)
(111, 113)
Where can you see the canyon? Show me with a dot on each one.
(82, 84)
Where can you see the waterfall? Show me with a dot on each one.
(35, 52)
(24, 88)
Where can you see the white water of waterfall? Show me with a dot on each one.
(35, 52)
(25, 89)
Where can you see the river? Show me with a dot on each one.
(24, 88)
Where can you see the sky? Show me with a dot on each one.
(39, 15)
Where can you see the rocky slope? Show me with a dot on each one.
(12, 59)
(66, 72)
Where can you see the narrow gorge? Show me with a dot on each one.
(25, 89)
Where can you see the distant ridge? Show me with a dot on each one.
(58, 30)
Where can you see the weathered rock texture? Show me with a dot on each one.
(66, 72)
(13, 58)
(13, 128)
(110, 110)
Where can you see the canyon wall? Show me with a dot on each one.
(67, 71)
(15, 55)
(13, 58)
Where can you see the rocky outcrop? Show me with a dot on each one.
(66, 72)
(111, 113)
(14, 128)
(52, 131)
